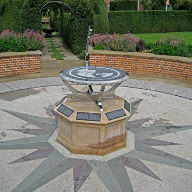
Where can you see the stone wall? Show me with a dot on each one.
(173, 67)
(17, 63)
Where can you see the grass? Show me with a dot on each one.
(45, 26)
(56, 53)
(151, 37)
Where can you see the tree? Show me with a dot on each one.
(159, 4)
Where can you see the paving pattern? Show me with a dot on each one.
(64, 50)
(158, 156)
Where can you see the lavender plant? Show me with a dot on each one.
(20, 42)
(171, 46)
(115, 42)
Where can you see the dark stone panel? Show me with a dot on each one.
(115, 114)
(88, 116)
(65, 110)
(127, 106)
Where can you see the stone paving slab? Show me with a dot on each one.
(4, 88)
(132, 83)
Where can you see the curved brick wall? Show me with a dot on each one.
(144, 63)
(17, 63)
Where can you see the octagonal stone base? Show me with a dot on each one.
(84, 135)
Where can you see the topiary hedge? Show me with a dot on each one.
(149, 21)
(73, 27)
(100, 17)
(21, 15)
(123, 5)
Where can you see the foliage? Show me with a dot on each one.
(140, 45)
(159, 4)
(100, 17)
(20, 42)
(73, 27)
(99, 47)
(123, 5)
(186, 5)
(115, 42)
(81, 20)
(149, 21)
(149, 45)
(82, 55)
(21, 15)
(171, 46)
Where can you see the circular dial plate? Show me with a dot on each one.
(94, 75)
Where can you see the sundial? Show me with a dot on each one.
(93, 122)
(93, 75)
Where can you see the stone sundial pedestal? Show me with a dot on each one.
(93, 122)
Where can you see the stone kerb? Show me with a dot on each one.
(173, 67)
(17, 63)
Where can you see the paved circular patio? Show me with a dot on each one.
(158, 156)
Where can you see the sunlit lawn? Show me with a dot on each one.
(151, 37)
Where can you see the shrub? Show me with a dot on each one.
(115, 42)
(149, 21)
(21, 15)
(123, 5)
(82, 55)
(140, 45)
(99, 47)
(171, 46)
(187, 5)
(20, 42)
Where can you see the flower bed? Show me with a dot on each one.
(174, 67)
(18, 52)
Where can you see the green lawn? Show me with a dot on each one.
(151, 37)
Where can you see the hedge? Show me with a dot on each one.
(149, 21)
(100, 17)
(20, 15)
(73, 27)
(123, 5)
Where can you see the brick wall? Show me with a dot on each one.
(18, 65)
(146, 66)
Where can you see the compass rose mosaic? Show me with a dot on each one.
(146, 164)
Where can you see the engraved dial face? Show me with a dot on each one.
(94, 75)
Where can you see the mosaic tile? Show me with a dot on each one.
(118, 169)
(81, 173)
(137, 165)
(155, 142)
(39, 154)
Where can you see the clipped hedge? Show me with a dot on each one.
(80, 21)
(74, 26)
(100, 17)
(123, 5)
(64, 26)
(149, 21)
(20, 15)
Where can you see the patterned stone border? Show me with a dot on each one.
(173, 67)
(16, 63)
(132, 83)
